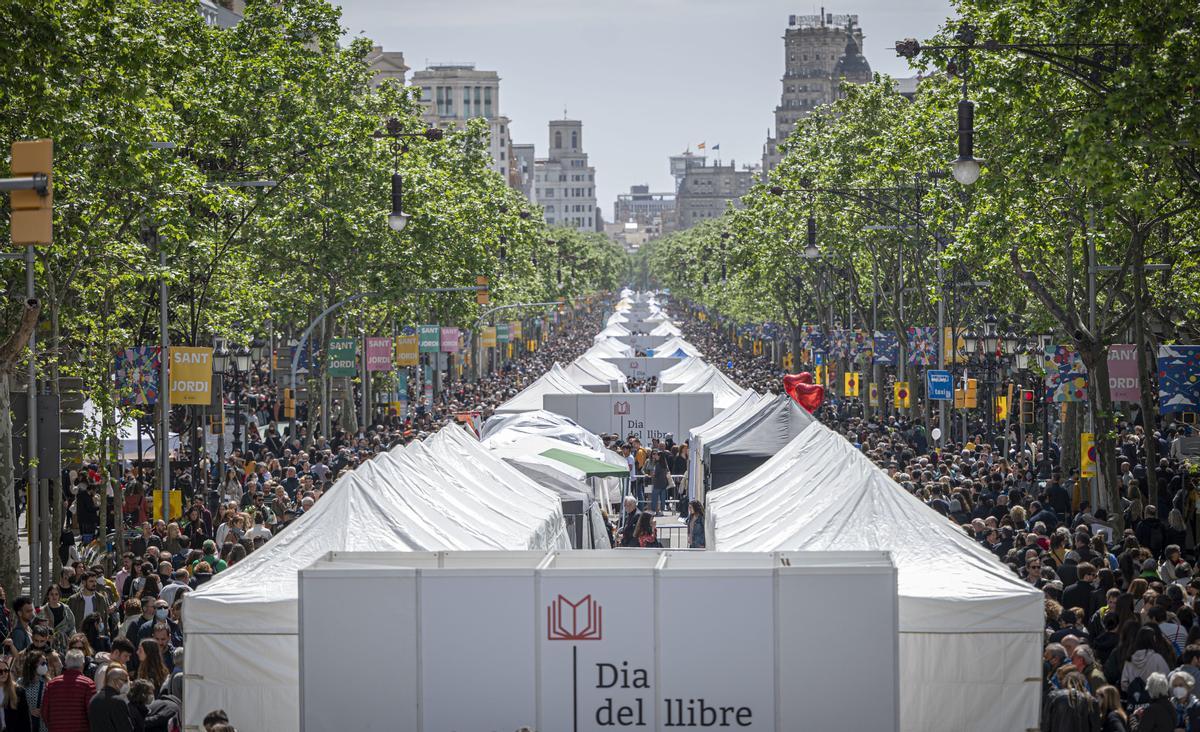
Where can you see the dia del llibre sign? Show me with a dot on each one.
(655, 641)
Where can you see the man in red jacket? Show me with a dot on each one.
(65, 703)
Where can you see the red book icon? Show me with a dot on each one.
(574, 621)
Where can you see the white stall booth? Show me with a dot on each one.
(591, 641)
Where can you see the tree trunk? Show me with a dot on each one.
(10, 554)
(1095, 358)
(1146, 362)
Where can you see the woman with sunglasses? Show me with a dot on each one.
(15, 709)
(35, 673)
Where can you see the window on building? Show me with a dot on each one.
(487, 102)
(441, 101)
(426, 93)
(574, 140)
(550, 193)
(478, 108)
(557, 138)
(466, 108)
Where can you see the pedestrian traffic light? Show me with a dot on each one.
(482, 296)
(289, 403)
(1028, 406)
(33, 207)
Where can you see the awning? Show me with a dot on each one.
(590, 466)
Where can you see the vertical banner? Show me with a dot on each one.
(901, 395)
(502, 333)
(1178, 378)
(488, 338)
(1001, 407)
(957, 353)
(341, 361)
(137, 372)
(427, 373)
(1123, 378)
(449, 340)
(379, 354)
(514, 330)
(407, 353)
(429, 338)
(851, 384)
(1087, 455)
(873, 394)
(190, 374)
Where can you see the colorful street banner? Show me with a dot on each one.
(851, 385)
(811, 338)
(1087, 455)
(1123, 379)
(502, 333)
(873, 394)
(341, 359)
(1178, 378)
(885, 348)
(190, 373)
(449, 341)
(1066, 377)
(407, 353)
(514, 330)
(379, 354)
(137, 373)
(957, 353)
(488, 337)
(429, 338)
(901, 396)
(922, 346)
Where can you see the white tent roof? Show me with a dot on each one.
(541, 422)
(820, 493)
(725, 392)
(554, 381)
(616, 330)
(745, 405)
(681, 373)
(768, 426)
(609, 349)
(589, 372)
(666, 328)
(448, 492)
(675, 345)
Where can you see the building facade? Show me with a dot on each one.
(386, 65)
(820, 52)
(564, 184)
(706, 190)
(456, 92)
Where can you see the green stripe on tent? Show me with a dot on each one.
(590, 466)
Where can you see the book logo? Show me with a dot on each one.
(574, 621)
(620, 408)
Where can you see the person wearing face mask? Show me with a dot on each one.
(161, 615)
(109, 709)
(34, 675)
(1187, 706)
(65, 704)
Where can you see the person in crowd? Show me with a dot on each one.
(629, 521)
(65, 703)
(140, 695)
(150, 663)
(1159, 715)
(35, 673)
(1187, 707)
(58, 617)
(695, 525)
(646, 534)
(14, 714)
(1112, 714)
(1070, 708)
(110, 708)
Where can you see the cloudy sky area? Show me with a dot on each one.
(648, 78)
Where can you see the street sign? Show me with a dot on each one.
(939, 385)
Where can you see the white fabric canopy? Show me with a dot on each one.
(675, 346)
(666, 328)
(595, 375)
(681, 373)
(616, 330)
(448, 492)
(609, 349)
(554, 381)
(525, 452)
(970, 631)
(725, 392)
(541, 422)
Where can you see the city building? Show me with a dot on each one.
(706, 190)
(564, 184)
(641, 216)
(453, 93)
(386, 65)
(523, 159)
(820, 51)
(222, 13)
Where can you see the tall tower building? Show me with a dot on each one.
(819, 51)
(453, 93)
(564, 184)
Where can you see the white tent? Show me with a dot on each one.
(722, 451)
(554, 381)
(681, 373)
(127, 435)
(724, 390)
(677, 347)
(970, 631)
(665, 328)
(616, 330)
(448, 492)
(609, 349)
(595, 375)
(541, 422)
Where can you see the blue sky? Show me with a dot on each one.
(648, 78)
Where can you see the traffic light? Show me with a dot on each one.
(33, 208)
(482, 296)
(1028, 407)
(289, 403)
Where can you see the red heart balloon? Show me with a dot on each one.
(801, 388)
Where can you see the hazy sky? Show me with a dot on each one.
(648, 78)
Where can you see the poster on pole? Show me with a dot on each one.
(449, 340)
(488, 337)
(429, 338)
(190, 374)
(1123, 379)
(502, 333)
(341, 359)
(1178, 378)
(407, 353)
(379, 354)
(514, 330)
(137, 372)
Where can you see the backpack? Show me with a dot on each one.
(1136, 696)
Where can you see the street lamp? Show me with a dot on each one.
(991, 336)
(810, 248)
(258, 350)
(397, 219)
(966, 166)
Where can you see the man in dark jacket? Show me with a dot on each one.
(109, 709)
(1151, 533)
(629, 523)
(1082, 592)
